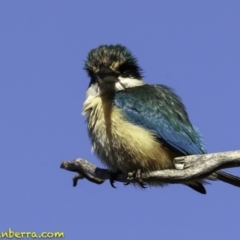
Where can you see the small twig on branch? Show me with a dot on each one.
(188, 168)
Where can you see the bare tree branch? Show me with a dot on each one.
(188, 168)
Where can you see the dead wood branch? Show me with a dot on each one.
(188, 168)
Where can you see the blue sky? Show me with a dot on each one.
(191, 46)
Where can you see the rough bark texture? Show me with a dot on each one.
(188, 168)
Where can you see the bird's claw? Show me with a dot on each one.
(137, 175)
(113, 176)
(112, 183)
(143, 185)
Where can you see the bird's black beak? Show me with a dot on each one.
(107, 75)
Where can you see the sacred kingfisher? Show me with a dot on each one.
(137, 126)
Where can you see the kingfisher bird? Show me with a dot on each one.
(134, 126)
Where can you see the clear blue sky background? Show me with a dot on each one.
(191, 46)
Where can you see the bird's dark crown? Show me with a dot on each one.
(115, 57)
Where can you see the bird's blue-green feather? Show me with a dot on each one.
(158, 109)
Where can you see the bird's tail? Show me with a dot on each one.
(225, 177)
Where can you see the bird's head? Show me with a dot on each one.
(112, 68)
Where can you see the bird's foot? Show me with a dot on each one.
(113, 176)
(137, 175)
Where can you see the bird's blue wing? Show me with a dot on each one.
(158, 109)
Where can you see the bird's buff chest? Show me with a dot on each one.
(98, 112)
(120, 144)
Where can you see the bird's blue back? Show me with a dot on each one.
(158, 109)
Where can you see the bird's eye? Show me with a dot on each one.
(127, 75)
